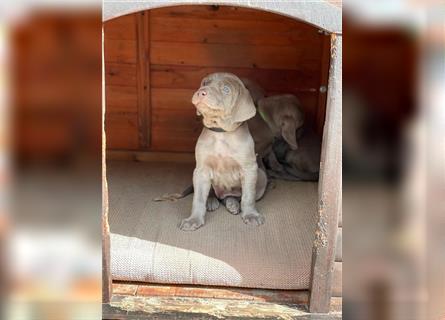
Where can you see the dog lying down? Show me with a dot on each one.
(293, 152)
(288, 150)
(301, 164)
(226, 166)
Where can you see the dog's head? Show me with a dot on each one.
(223, 101)
(283, 115)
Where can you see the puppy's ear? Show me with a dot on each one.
(283, 115)
(266, 108)
(256, 92)
(288, 132)
(291, 122)
(207, 79)
(244, 108)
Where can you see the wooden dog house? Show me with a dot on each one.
(155, 58)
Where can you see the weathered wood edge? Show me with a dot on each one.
(299, 297)
(135, 307)
(324, 77)
(323, 251)
(338, 245)
(106, 274)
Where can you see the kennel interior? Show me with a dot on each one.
(154, 61)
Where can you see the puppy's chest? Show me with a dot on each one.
(223, 164)
(225, 173)
(217, 144)
(220, 164)
(221, 156)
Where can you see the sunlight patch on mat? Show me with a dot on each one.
(133, 259)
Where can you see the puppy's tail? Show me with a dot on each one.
(175, 196)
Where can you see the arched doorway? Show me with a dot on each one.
(167, 62)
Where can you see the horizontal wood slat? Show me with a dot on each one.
(37, 135)
(121, 130)
(225, 55)
(173, 113)
(151, 156)
(120, 74)
(215, 12)
(186, 43)
(247, 294)
(123, 51)
(129, 289)
(122, 28)
(186, 77)
(121, 118)
(175, 125)
(124, 289)
(240, 31)
(121, 99)
(177, 99)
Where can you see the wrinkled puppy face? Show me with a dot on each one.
(223, 101)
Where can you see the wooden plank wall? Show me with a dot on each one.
(121, 118)
(183, 44)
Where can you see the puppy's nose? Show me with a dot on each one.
(202, 93)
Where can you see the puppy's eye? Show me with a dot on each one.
(205, 83)
(226, 89)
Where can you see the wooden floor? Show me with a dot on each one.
(153, 301)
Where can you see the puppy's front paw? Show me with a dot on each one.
(253, 218)
(191, 224)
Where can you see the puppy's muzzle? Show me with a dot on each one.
(199, 95)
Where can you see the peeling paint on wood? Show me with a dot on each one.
(125, 289)
(248, 294)
(166, 302)
(218, 308)
(329, 193)
(336, 305)
(321, 231)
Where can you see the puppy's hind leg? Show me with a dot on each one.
(212, 201)
(232, 205)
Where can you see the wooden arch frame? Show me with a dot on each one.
(327, 17)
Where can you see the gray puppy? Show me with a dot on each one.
(225, 156)
(283, 115)
(289, 151)
(302, 164)
(295, 151)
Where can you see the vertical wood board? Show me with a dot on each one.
(329, 189)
